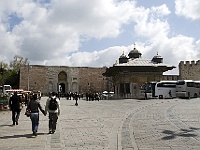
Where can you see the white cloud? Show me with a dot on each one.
(188, 8)
(99, 18)
(51, 34)
(54, 30)
(161, 10)
(157, 32)
(101, 58)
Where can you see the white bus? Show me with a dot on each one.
(165, 89)
(197, 86)
(149, 89)
(186, 89)
(4, 88)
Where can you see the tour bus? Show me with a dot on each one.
(186, 89)
(4, 88)
(197, 86)
(165, 89)
(150, 89)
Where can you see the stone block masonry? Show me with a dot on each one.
(74, 79)
(189, 70)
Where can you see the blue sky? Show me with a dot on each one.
(94, 33)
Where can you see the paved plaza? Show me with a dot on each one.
(129, 124)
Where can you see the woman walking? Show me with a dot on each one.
(33, 107)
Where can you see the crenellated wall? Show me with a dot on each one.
(189, 70)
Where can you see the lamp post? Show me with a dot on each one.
(28, 76)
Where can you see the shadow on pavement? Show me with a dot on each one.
(20, 136)
(6, 125)
(182, 133)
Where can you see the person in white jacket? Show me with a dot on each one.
(53, 108)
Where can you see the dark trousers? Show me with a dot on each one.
(53, 117)
(15, 115)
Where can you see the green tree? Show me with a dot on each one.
(13, 76)
(10, 74)
(3, 71)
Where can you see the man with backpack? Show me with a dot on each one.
(53, 108)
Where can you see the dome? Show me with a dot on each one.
(123, 58)
(134, 53)
(157, 59)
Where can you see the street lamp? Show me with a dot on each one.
(28, 76)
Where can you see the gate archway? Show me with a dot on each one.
(62, 82)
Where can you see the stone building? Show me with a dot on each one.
(125, 77)
(189, 70)
(63, 79)
(130, 74)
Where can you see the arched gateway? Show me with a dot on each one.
(62, 79)
(62, 82)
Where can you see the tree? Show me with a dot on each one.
(18, 62)
(3, 70)
(10, 74)
(13, 76)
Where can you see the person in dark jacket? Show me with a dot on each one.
(14, 104)
(34, 106)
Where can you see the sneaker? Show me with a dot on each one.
(50, 132)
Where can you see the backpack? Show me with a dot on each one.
(53, 104)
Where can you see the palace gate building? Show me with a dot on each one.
(62, 79)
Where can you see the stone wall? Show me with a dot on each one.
(92, 80)
(88, 79)
(75, 79)
(189, 70)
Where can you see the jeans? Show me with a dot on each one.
(15, 115)
(53, 117)
(35, 121)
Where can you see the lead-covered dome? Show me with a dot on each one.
(134, 53)
(157, 59)
(123, 58)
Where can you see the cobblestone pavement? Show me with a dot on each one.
(170, 124)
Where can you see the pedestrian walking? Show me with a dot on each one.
(15, 105)
(145, 95)
(33, 107)
(76, 96)
(53, 108)
(170, 94)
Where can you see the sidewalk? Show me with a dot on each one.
(171, 124)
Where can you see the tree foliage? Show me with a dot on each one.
(17, 62)
(9, 73)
